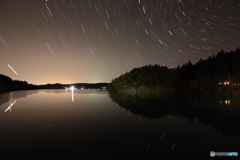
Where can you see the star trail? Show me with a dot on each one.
(91, 41)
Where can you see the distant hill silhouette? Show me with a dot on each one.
(218, 74)
(76, 85)
(7, 84)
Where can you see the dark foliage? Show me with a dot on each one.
(147, 78)
(7, 84)
(218, 74)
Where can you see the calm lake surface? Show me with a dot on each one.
(92, 124)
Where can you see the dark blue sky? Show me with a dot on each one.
(69, 41)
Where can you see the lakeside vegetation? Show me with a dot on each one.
(217, 74)
(7, 85)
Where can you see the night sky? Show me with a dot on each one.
(91, 41)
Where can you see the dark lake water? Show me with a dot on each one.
(92, 124)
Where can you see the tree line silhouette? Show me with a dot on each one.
(7, 84)
(217, 74)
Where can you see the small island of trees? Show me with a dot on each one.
(218, 74)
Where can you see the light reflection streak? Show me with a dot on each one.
(72, 96)
(31, 116)
(10, 107)
(10, 103)
(72, 90)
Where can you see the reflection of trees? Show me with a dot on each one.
(4, 97)
(225, 118)
(208, 111)
(23, 94)
(146, 105)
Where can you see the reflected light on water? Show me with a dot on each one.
(72, 89)
(10, 102)
(72, 96)
(100, 124)
(10, 106)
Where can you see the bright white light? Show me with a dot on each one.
(71, 88)
(227, 102)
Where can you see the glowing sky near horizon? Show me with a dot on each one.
(90, 41)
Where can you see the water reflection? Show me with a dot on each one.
(50, 125)
(79, 91)
(207, 110)
(72, 91)
(9, 96)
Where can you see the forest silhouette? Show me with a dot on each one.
(217, 74)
